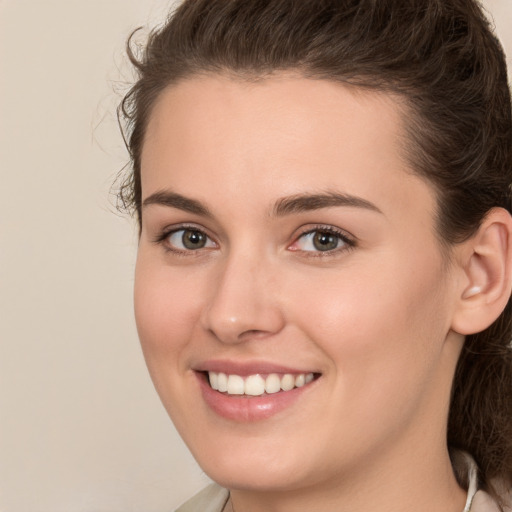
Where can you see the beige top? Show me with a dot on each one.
(214, 498)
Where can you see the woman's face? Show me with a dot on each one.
(285, 239)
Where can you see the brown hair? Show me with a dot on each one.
(442, 58)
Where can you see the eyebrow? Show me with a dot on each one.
(308, 202)
(174, 200)
(285, 206)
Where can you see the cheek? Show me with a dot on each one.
(166, 310)
(380, 327)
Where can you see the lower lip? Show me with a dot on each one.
(248, 409)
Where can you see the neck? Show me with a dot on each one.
(389, 485)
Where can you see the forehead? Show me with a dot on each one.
(285, 106)
(279, 136)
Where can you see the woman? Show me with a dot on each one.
(324, 270)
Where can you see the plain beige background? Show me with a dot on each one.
(81, 428)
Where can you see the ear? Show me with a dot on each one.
(486, 263)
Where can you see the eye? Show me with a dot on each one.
(189, 239)
(322, 240)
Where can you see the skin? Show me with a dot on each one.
(373, 319)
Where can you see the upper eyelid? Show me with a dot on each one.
(327, 228)
(163, 233)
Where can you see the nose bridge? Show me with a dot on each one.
(243, 301)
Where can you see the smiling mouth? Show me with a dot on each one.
(257, 384)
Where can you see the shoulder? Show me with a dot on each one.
(210, 499)
(466, 471)
(482, 502)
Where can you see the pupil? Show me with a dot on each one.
(325, 241)
(193, 239)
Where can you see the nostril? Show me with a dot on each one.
(254, 334)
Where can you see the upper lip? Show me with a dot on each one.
(244, 368)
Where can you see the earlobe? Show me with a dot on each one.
(487, 268)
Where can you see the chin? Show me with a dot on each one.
(257, 465)
(256, 477)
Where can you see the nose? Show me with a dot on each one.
(243, 303)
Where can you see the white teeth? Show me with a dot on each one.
(287, 382)
(273, 383)
(256, 385)
(235, 385)
(214, 380)
(222, 382)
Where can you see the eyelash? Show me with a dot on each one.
(348, 242)
(162, 239)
